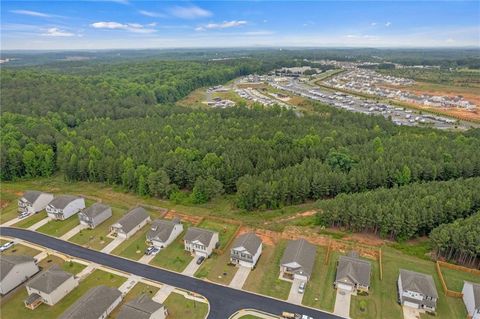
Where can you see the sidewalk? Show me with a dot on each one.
(163, 293)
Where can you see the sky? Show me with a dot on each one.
(129, 24)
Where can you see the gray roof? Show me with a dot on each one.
(61, 202)
(418, 282)
(31, 196)
(7, 262)
(162, 229)
(140, 308)
(95, 210)
(202, 235)
(301, 252)
(352, 270)
(250, 241)
(92, 304)
(132, 219)
(49, 280)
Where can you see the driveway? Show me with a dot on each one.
(410, 313)
(129, 284)
(72, 232)
(294, 296)
(192, 267)
(342, 303)
(113, 244)
(240, 277)
(163, 293)
(40, 223)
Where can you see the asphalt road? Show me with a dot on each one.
(224, 301)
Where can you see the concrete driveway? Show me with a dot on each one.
(240, 277)
(192, 267)
(39, 224)
(294, 296)
(112, 245)
(72, 232)
(410, 313)
(342, 303)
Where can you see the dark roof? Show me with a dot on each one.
(352, 270)
(92, 304)
(202, 235)
(32, 298)
(49, 280)
(162, 229)
(301, 252)
(95, 210)
(250, 241)
(7, 262)
(31, 196)
(140, 308)
(61, 202)
(418, 282)
(132, 219)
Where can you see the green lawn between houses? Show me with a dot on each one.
(174, 257)
(134, 247)
(454, 278)
(217, 268)
(180, 307)
(31, 220)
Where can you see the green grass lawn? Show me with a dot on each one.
(9, 211)
(372, 302)
(225, 231)
(134, 247)
(19, 249)
(217, 268)
(31, 220)
(58, 228)
(454, 278)
(180, 308)
(174, 257)
(69, 266)
(14, 307)
(137, 290)
(264, 278)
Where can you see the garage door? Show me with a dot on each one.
(300, 277)
(410, 304)
(344, 287)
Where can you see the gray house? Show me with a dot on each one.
(33, 202)
(471, 299)
(143, 308)
(15, 270)
(163, 232)
(131, 222)
(95, 215)
(417, 290)
(246, 250)
(63, 207)
(353, 273)
(297, 260)
(49, 287)
(200, 242)
(97, 303)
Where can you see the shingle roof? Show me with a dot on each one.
(301, 252)
(61, 202)
(202, 235)
(95, 210)
(31, 196)
(162, 229)
(7, 262)
(353, 271)
(418, 282)
(133, 218)
(92, 304)
(140, 308)
(250, 241)
(49, 280)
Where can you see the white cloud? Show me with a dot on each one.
(32, 13)
(56, 32)
(153, 24)
(191, 12)
(132, 27)
(373, 24)
(259, 33)
(152, 14)
(388, 24)
(223, 25)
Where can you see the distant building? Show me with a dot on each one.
(246, 250)
(97, 303)
(163, 232)
(63, 207)
(471, 299)
(143, 308)
(298, 260)
(200, 242)
(49, 287)
(15, 270)
(95, 215)
(353, 273)
(33, 202)
(417, 290)
(131, 222)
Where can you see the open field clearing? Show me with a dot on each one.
(180, 307)
(454, 278)
(217, 268)
(225, 230)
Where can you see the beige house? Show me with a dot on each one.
(297, 260)
(200, 242)
(131, 222)
(15, 270)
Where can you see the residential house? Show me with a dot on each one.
(49, 287)
(63, 207)
(297, 260)
(353, 273)
(163, 232)
(471, 298)
(15, 270)
(95, 215)
(200, 242)
(131, 222)
(143, 308)
(33, 202)
(97, 303)
(417, 290)
(246, 250)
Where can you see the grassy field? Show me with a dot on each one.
(174, 257)
(264, 278)
(14, 307)
(217, 268)
(225, 231)
(71, 267)
(454, 279)
(9, 206)
(137, 290)
(134, 247)
(180, 308)
(19, 249)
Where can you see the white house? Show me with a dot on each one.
(417, 290)
(15, 270)
(97, 303)
(143, 308)
(131, 222)
(200, 242)
(163, 232)
(246, 250)
(297, 260)
(63, 207)
(33, 202)
(49, 287)
(471, 298)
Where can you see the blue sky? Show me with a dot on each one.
(172, 24)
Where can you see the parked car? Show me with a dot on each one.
(200, 260)
(301, 288)
(155, 250)
(23, 215)
(149, 250)
(289, 315)
(306, 317)
(6, 246)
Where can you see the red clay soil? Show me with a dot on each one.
(4, 203)
(195, 220)
(297, 215)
